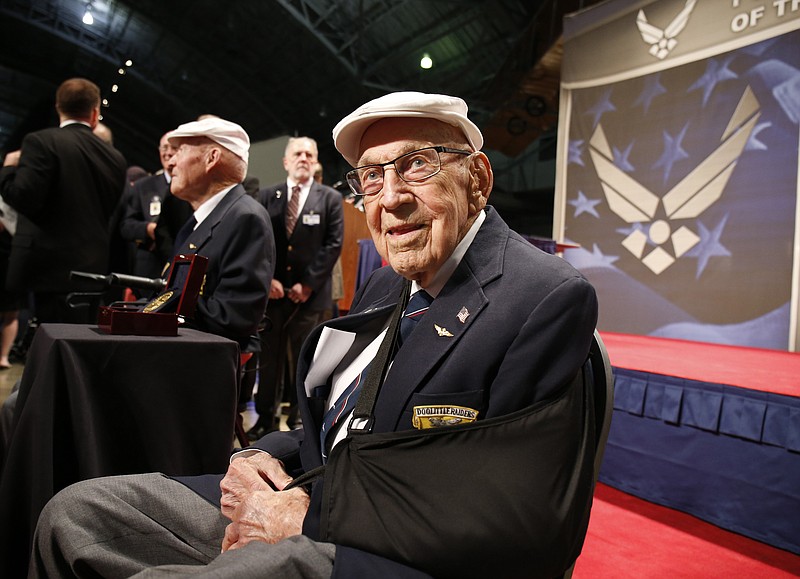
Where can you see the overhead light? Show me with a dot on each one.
(88, 20)
(129, 62)
(426, 62)
(114, 88)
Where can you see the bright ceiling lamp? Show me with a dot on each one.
(88, 19)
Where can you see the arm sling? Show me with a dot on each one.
(507, 496)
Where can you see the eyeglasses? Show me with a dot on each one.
(412, 167)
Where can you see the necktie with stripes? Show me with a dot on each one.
(417, 306)
(291, 211)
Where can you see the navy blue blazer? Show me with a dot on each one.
(139, 202)
(237, 240)
(521, 322)
(309, 255)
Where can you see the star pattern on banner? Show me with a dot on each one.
(693, 163)
(715, 73)
(753, 143)
(673, 152)
(604, 105)
(709, 245)
(652, 89)
(600, 258)
(621, 158)
(575, 154)
(584, 205)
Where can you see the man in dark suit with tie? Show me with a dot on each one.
(143, 204)
(228, 227)
(308, 223)
(508, 327)
(65, 183)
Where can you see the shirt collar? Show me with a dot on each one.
(74, 122)
(206, 208)
(452, 262)
(304, 187)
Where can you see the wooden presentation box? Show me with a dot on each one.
(159, 316)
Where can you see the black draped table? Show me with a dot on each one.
(92, 404)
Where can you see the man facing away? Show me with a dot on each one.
(65, 183)
(508, 326)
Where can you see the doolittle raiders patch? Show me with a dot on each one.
(436, 416)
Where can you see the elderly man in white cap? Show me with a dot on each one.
(500, 327)
(228, 227)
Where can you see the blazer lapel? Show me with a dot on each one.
(200, 236)
(450, 316)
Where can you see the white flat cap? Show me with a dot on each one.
(451, 110)
(225, 133)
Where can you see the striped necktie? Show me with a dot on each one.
(417, 306)
(291, 211)
(344, 405)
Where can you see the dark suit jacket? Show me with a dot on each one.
(527, 333)
(237, 240)
(142, 205)
(309, 255)
(174, 213)
(65, 189)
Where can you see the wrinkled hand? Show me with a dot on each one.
(299, 293)
(247, 475)
(275, 290)
(269, 516)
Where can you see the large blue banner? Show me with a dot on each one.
(680, 181)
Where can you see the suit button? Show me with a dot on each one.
(289, 248)
(288, 268)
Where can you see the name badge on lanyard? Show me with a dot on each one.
(155, 206)
(311, 219)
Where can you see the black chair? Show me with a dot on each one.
(604, 401)
(600, 372)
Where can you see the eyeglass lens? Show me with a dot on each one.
(413, 166)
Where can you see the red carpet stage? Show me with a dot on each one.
(631, 538)
(753, 368)
(710, 430)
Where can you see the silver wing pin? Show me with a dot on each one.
(443, 332)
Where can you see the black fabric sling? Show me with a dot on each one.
(502, 497)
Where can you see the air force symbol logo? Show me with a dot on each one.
(695, 193)
(663, 41)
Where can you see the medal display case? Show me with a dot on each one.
(159, 316)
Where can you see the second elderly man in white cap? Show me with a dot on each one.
(228, 227)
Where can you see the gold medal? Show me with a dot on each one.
(158, 302)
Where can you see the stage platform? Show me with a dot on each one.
(710, 430)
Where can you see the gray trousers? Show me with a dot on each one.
(151, 526)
